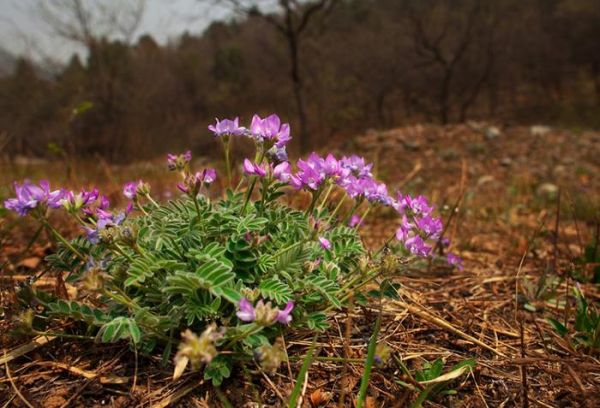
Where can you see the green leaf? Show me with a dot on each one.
(275, 290)
(558, 327)
(119, 328)
(317, 321)
(217, 370)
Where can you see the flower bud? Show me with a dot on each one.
(142, 188)
(196, 350)
(93, 279)
(382, 354)
(269, 356)
(265, 314)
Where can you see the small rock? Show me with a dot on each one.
(492, 132)
(539, 130)
(488, 178)
(506, 162)
(547, 190)
(30, 263)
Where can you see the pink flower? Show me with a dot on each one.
(325, 243)
(246, 312)
(254, 169)
(282, 172)
(284, 316)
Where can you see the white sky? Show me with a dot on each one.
(22, 32)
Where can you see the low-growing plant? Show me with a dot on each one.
(585, 331)
(431, 381)
(223, 279)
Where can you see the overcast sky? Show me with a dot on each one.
(23, 33)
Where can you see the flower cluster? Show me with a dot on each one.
(179, 161)
(264, 314)
(30, 196)
(227, 127)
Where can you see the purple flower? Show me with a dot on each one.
(354, 220)
(179, 161)
(431, 227)
(130, 190)
(325, 243)
(227, 127)
(417, 246)
(312, 172)
(284, 316)
(254, 169)
(357, 166)
(277, 154)
(29, 196)
(246, 312)
(455, 261)
(75, 201)
(271, 129)
(105, 220)
(193, 182)
(417, 206)
(209, 175)
(282, 172)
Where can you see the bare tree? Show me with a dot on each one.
(85, 22)
(446, 45)
(290, 18)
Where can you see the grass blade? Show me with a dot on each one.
(300, 378)
(364, 381)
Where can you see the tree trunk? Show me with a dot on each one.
(298, 91)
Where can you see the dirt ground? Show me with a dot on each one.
(520, 205)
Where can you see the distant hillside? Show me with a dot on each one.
(7, 62)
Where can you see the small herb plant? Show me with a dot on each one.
(430, 381)
(585, 332)
(223, 280)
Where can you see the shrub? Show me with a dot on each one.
(234, 274)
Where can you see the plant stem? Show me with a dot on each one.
(223, 398)
(316, 195)
(226, 147)
(252, 329)
(339, 206)
(364, 382)
(63, 335)
(302, 374)
(249, 194)
(325, 198)
(62, 239)
(152, 201)
(195, 199)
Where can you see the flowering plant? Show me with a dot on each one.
(224, 279)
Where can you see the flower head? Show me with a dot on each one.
(227, 127)
(282, 172)
(193, 182)
(179, 161)
(325, 244)
(196, 350)
(284, 316)
(246, 311)
(130, 190)
(254, 169)
(354, 221)
(270, 129)
(455, 260)
(30, 196)
(263, 314)
(75, 201)
(269, 356)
